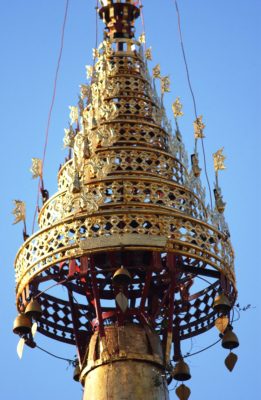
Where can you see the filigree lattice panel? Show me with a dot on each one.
(56, 320)
(135, 193)
(62, 241)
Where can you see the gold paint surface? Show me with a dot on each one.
(132, 368)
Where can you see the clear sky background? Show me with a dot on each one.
(222, 40)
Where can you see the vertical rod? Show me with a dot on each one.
(97, 304)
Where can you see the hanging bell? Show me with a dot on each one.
(121, 277)
(230, 340)
(76, 372)
(22, 325)
(181, 371)
(33, 310)
(183, 392)
(222, 304)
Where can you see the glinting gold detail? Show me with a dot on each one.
(219, 160)
(148, 54)
(74, 114)
(36, 168)
(165, 84)
(199, 127)
(19, 211)
(156, 71)
(177, 108)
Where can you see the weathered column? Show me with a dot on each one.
(126, 364)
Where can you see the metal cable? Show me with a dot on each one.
(193, 98)
(51, 110)
(55, 356)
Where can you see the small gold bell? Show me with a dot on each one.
(230, 340)
(76, 372)
(181, 371)
(121, 277)
(22, 325)
(33, 310)
(222, 304)
(183, 392)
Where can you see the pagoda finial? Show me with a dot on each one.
(119, 17)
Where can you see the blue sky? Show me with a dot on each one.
(222, 41)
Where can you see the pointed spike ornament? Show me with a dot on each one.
(183, 392)
(230, 361)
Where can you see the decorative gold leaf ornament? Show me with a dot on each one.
(165, 84)
(94, 140)
(74, 114)
(69, 135)
(156, 71)
(199, 127)
(36, 168)
(95, 53)
(89, 71)
(177, 108)
(142, 38)
(108, 136)
(76, 184)
(19, 211)
(148, 54)
(108, 48)
(85, 90)
(89, 201)
(221, 323)
(219, 159)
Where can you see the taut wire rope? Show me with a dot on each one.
(193, 97)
